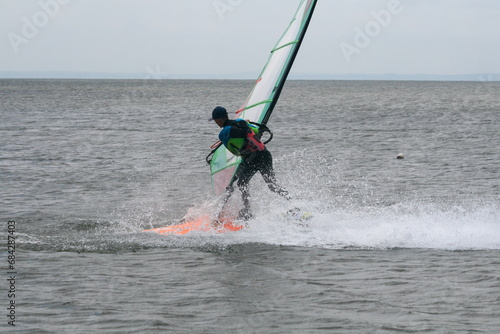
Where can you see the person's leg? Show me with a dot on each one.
(245, 173)
(267, 171)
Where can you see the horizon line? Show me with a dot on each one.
(482, 77)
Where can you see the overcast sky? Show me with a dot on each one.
(218, 37)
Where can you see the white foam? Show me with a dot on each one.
(401, 226)
(347, 213)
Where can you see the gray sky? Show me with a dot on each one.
(206, 38)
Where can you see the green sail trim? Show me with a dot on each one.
(284, 46)
(255, 105)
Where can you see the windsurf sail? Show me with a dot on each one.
(262, 99)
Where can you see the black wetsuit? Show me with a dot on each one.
(253, 161)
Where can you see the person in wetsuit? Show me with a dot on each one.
(242, 139)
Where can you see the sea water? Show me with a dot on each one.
(394, 245)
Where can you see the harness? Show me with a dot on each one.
(253, 143)
(263, 129)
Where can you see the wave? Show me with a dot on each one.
(412, 226)
(398, 226)
(347, 213)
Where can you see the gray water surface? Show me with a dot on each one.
(395, 245)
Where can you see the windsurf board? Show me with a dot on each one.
(200, 224)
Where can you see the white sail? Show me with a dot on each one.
(260, 103)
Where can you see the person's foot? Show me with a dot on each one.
(294, 212)
(245, 214)
(299, 216)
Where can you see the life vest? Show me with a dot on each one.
(243, 140)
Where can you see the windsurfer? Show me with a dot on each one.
(242, 139)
